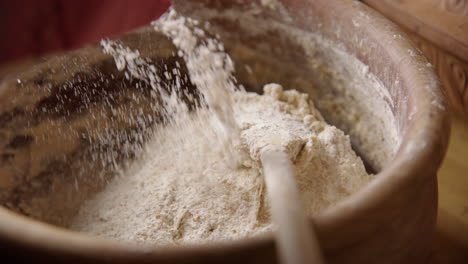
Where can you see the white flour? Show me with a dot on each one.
(184, 192)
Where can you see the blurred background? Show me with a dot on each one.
(29, 28)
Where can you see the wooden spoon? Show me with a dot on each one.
(295, 237)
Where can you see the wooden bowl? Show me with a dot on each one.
(59, 129)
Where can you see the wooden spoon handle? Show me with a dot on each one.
(295, 237)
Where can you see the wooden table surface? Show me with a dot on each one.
(451, 245)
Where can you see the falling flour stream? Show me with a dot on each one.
(203, 175)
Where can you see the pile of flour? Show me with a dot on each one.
(183, 191)
(200, 177)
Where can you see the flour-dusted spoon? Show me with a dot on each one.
(296, 239)
(275, 130)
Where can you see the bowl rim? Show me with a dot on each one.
(426, 134)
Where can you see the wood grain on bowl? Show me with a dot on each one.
(440, 29)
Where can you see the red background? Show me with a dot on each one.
(33, 27)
